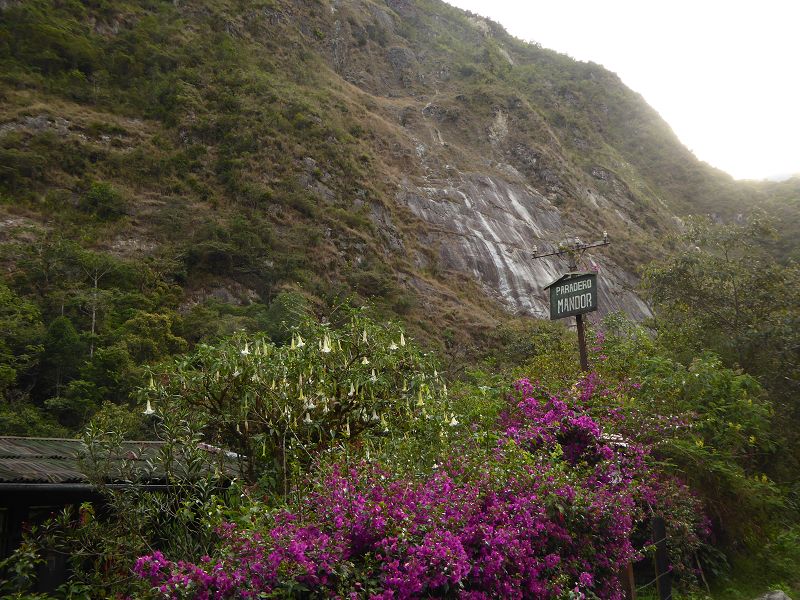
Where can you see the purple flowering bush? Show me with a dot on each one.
(547, 511)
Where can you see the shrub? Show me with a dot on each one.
(103, 201)
(547, 512)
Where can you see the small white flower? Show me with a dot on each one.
(246, 349)
(307, 420)
(392, 346)
(365, 361)
(326, 345)
(454, 422)
(300, 342)
(374, 416)
(373, 378)
(352, 390)
(149, 410)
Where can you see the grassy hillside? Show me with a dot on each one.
(173, 171)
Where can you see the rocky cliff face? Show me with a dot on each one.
(486, 227)
(403, 150)
(485, 172)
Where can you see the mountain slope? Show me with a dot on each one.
(404, 150)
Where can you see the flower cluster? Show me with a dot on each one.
(547, 513)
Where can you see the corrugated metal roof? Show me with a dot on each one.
(58, 460)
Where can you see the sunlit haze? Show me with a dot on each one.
(723, 74)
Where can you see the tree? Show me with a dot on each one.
(276, 405)
(62, 356)
(21, 332)
(723, 292)
(95, 267)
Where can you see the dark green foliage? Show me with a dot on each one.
(103, 202)
(724, 292)
(62, 355)
(22, 332)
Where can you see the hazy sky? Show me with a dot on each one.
(724, 74)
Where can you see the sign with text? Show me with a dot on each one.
(573, 294)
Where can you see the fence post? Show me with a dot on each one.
(663, 573)
(628, 581)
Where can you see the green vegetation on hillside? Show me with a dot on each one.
(195, 197)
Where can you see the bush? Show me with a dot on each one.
(103, 202)
(277, 404)
(548, 512)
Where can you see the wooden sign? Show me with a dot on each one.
(573, 294)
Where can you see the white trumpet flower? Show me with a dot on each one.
(454, 422)
(365, 361)
(300, 342)
(149, 410)
(352, 390)
(246, 350)
(392, 346)
(402, 339)
(373, 378)
(364, 336)
(326, 345)
(307, 420)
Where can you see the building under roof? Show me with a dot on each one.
(40, 476)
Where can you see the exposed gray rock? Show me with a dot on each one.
(441, 113)
(383, 221)
(486, 227)
(774, 595)
(38, 124)
(382, 18)
(404, 8)
(400, 58)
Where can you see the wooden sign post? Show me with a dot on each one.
(574, 294)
